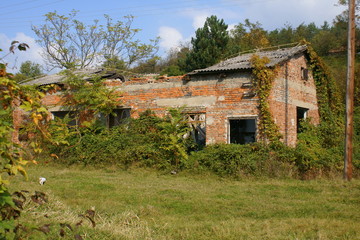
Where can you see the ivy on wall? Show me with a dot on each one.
(263, 78)
(328, 96)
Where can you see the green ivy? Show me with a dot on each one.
(263, 80)
(328, 96)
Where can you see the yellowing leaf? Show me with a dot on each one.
(22, 171)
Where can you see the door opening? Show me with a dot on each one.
(301, 114)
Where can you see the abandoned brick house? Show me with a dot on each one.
(219, 101)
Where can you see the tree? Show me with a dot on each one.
(306, 32)
(346, 2)
(172, 70)
(28, 70)
(284, 35)
(148, 66)
(119, 42)
(209, 45)
(174, 63)
(115, 63)
(69, 43)
(247, 36)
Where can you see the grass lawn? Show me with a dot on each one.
(140, 204)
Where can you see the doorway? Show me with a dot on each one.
(301, 114)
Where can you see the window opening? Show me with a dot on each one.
(242, 131)
(198, 127)
(304, 73)
(301, 115)
(63, 114)
(119, 117)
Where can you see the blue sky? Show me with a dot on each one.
(175, 21)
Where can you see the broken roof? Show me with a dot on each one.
(243, 61)
(87, 73)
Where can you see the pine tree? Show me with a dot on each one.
(209, 44)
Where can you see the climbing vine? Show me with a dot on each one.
(328, 96)
(263, 79)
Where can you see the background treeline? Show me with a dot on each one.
(212, 43)
(327, 39)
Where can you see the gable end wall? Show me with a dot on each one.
(289, 92)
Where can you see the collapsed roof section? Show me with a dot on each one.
(87, 73)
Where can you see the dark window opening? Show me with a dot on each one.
(199, 135)
(242, 131)
(198, 127)
(63, 114)
(304, 73)
(301, 114)
(118, 117)
(23, 135)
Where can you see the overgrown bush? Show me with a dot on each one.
(243, 160)
(314, 151)
(148, 141)
(151, 141)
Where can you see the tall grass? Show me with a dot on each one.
(144, 204)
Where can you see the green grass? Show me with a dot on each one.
(141, 204)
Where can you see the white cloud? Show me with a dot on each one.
(14, 60)
(170, 37)
(231, 26)
(199, 20)
(198, 17)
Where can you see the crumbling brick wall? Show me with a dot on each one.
(222, 96)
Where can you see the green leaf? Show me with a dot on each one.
(6, 199)
(26, 106)
(6, 225)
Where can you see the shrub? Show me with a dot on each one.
(151, 141)
(315, 153)
(229, 159)
(148, 141)
(256, 159)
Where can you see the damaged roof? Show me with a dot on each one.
(243, 61)
(87, 73)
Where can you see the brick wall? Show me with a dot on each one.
(222, 98)
(289, 92)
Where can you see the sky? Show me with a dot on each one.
(174, 21)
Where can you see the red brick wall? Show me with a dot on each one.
(289, 92)
(222, 98)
